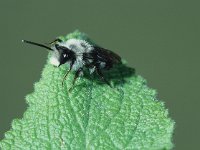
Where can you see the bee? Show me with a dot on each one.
(80, 54)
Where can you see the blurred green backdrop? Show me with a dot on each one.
(160, 39)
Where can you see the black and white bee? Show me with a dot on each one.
(79, 54)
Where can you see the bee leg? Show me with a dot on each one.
(77, 74)
(70, 68)
(98, 70)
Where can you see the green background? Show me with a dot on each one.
(159, 38)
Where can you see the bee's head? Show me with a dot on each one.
(60, 54)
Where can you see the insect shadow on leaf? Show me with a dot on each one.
(115, 76)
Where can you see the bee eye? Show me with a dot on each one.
(64, 55)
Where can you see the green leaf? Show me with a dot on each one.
(93, 115)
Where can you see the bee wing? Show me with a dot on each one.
(107, 55)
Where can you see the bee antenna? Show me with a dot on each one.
(37, 44)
